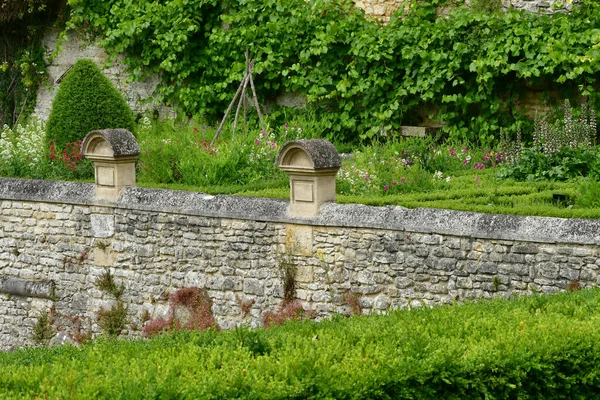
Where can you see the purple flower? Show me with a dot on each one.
(367, 177)
(386, 187)
(403, 180)
(394, 183)
(452, 152)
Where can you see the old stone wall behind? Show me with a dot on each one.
(155, 242)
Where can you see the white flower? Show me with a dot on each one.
(438, 175)
(447, 179)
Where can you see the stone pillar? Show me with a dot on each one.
(312, 166)
(113, 153)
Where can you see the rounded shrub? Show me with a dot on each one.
(86, 100)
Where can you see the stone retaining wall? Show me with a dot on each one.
(57, 240)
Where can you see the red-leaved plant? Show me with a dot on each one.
(288, 310)
(196, 305)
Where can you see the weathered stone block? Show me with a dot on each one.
(27, 288)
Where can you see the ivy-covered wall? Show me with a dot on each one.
(472, 69)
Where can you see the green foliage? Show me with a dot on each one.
(172, 152)
(22, 63)
(107, 284)
(409, 165)
(561, 150)
(486, 5)
(43, 329)
(112, 321)
(568, 163)
(589, 194)
(528, 347)
(198, 313)
(26, 155)
(362, 78)
(86, 100)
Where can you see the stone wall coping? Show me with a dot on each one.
(393, 218)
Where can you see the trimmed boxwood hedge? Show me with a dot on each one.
(541, 347)
(86, 100)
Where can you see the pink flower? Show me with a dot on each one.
(403, 180)
(386, 187)
(394, 183)
(476, 178)
(367, 177)
(452, 152)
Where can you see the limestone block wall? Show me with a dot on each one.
(57, 240)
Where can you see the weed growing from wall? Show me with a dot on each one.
(43, 329)
(112, 321)
(107, 284)
(189, 309)
(496, 282)
(288, 270)
(288, 310)
(352, 300)
(245, 305)
(574, 286)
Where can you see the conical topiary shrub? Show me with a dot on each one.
(86, 100)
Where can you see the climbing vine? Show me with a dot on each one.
(22, 63)
(364, 78)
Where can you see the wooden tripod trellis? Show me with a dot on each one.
(240, 97)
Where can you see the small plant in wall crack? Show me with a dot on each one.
(44, 330)
(113, 320)
(102, 245)
(288, 310)
(574, 286)
(189, 309)
(496, 282)
(245, 305)
(107, 284)
(288, 270)
(352, 300)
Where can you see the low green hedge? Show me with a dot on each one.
(542, 347)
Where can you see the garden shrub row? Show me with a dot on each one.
(542, 347)
(363, 77)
